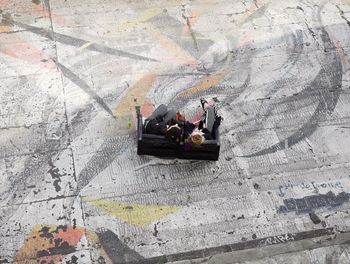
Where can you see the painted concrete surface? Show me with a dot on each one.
(72, 188)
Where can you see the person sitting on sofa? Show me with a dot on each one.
(204, 131)
(163, 121)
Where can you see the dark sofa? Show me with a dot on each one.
(157, 145)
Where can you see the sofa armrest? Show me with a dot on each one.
(209, 142)
(217, 135)
(139, 123)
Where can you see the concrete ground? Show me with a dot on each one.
(73, 190)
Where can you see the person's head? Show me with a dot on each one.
(196, 137)
(173, 133)
(180, 117)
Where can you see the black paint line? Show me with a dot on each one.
(341, 13)
(180, 101)
(305, 131)
(239, 91)
(293, 56)
(115, 249)
(256, 243)
(292, 59)
(330, 76)
(295, 53)
(57, 197)
(83, 85)
(77, 42)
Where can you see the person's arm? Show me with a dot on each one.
(153, 127)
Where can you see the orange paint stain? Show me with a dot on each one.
(342, 55)
(204, 84)
(41, 11)
(245, 39)
(44, 241)
(251, 10)
(70, 235)
(136, 95)
(15, 47)
(191, 20)
(147, 108)
(4, 29)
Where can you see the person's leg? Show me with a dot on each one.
(210, 118)
(160, 110)
(216, 124)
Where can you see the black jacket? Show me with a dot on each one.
(189, 127)
(153, 126)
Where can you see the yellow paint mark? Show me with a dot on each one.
(135, 214)
(85, 45)
(204, 84)
(136, 95)
(130, 23)
(4, 29)
(148, 14)
(251, 10)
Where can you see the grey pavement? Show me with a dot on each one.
(73, 189)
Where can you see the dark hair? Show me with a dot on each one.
(173, 134)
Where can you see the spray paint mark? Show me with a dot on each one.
(77, 42)
(54, 172)
(49, 243)
(136, 214)
(330, 76)
(84, 86)
(116, 250)
(313, 202)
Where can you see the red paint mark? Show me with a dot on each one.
(49, 243)
(341, 54)
(16, 47)
(41, 11)
(245, 39)
(72, 235)
(147, 108)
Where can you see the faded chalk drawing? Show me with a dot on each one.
(73, 189)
